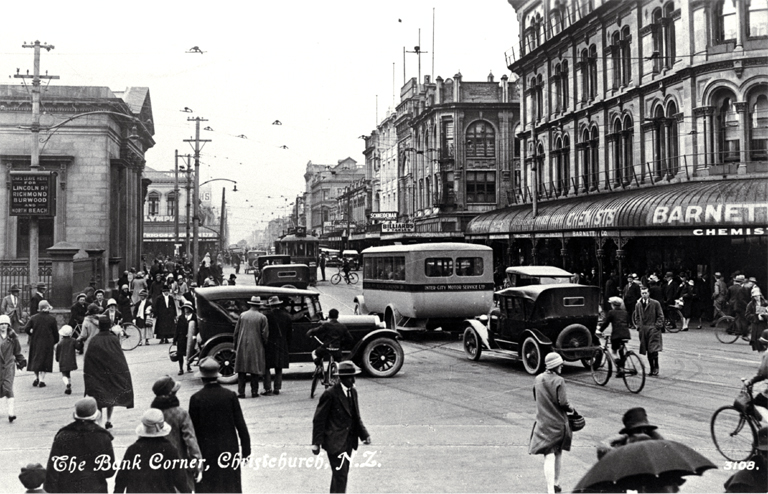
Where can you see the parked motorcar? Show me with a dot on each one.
(285, 275)
(536, 275)
(268, 260)
(375, 348)
(354, 259)
(529, 322)
(251, 259)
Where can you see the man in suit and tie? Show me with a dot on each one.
(337, 425)
(11, 307)
(650, 321)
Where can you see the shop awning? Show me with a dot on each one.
(713, 207)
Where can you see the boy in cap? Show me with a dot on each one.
(66, 356)
(32, 477)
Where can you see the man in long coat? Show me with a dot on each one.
(39, 296)
(631, 293)
(137, 285)
(105, 371)
(218, 421)
(251, 331)
(43, 336)
(738, 298)
(650, 320)
(11, 307)
(164, 308)
(278, 344)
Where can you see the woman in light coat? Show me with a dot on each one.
(757, 315)
(551, 433)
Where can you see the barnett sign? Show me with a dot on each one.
(33, 193)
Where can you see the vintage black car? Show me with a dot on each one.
(530, 321)
(285, 275)
(251, 259)
(268, 260)
(375, 348)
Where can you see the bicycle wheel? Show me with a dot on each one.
(722, 326)
(353, 278)
(734, 435)
(130, 337)
(316, 378)
(601, 367)
(336, 278)
(333, 375)
(634, 373)
(674, 322)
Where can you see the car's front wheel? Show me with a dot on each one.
(382, 357)
(472, 346)
(531, 355)
(224, 353)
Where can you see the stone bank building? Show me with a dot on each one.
(644, 137)
(98, 160)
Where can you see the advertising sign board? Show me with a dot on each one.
(33, 193)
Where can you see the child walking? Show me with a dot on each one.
(66, 356)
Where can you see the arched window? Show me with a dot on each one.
(540, 97)
(481, 140)
(672, 137)
(757, 18)
(592, 72)
(170, 204)
(428, 192)
(585, 159)
(627, 134)
(659, 140)
(758, 124)
(556, 21)
(626, 56)
(153, 203)
(726, 127)
(566, 156)
(561, 182)
(658, 40)
(726, 26)
(558, 83)
(540, 155)
(564, 85)
(594, 141)
(669, 35)
(618, 153)
(616, 59)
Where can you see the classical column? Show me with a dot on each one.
(61, 255)
(741, 109)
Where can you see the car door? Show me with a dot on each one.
(514, 318)
(305, 313)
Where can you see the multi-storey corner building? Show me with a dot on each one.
(324, 185)
(645, 137)
(447, 154)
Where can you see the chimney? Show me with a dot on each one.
(439, 90)
(490, 76)
(504, 89)
(457, 87)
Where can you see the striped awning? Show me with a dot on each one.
(690, 208)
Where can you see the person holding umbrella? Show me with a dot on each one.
(636, 428)
(551, 433)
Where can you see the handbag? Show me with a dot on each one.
(742, 402)
(576, 421)
(173, 353)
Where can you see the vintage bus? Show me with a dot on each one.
(426, 287)
(303, 249)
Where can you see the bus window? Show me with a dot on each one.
(368, 270)
(399, 268)
(434, 267)
(469, 266)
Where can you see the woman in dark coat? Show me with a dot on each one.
(686, 294)
(78, 311)
(218, 421)
(105, 371)
(43, 336)
(182, 331)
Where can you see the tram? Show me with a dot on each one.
(303, 249)
(426, 287)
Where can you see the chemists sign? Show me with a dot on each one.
(33, 193)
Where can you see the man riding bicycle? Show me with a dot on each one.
(761, 399)
(618, 319)
(333, 335)
(346, 268)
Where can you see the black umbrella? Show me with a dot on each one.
(642, 462)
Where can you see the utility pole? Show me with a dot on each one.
(34, 230)
(176, 199)
(196, 217)
(221, 221)
(189, 205)
(417, 51)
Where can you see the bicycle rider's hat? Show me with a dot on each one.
(615, 301)
(347, 368)
(635, 418)
(762, 439)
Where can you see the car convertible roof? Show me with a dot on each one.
(533, 292)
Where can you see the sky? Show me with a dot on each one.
(328, 71)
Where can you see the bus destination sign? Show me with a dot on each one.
(33, 193)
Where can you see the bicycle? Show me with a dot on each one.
(601, 367)
(329, 375)
(672, 316)
(725, 331)
(734, 428)
(351, 279)
(130, 336)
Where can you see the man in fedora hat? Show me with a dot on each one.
(219, 423)
(636, 428)
(278, 344)
(152, 444)
(251, 332)
(38, 296)
(738, 298)
(11, 307)
(164, 308)
(91, 444)
(337, 425)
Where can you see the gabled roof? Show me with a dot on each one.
(138, 100)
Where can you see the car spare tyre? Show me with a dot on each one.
(573, 337)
